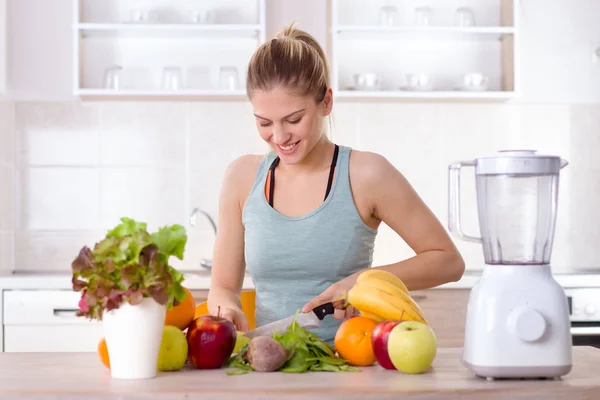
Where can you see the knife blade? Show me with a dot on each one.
(309, 320)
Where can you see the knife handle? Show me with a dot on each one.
(323, 310)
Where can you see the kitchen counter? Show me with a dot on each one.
(200, 280)
(82, 376)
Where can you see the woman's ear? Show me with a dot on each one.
(328, 102)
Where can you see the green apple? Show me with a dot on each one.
(173, 349)
(240, 341)
(412, 346)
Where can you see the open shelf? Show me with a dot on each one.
(169, 30)
(120, 56)
(183, 94)
(440, 47)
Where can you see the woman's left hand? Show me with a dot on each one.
(334, 292)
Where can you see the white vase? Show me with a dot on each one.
(133, 335)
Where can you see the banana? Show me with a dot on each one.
(393, 291)
(374, 301)
(372, 316)
(382, 275)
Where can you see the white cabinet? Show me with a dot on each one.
(158, 48)
(45, 321)
(440, 44)
(3, 46)
(560, 39)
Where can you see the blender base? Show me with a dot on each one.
(518, 324)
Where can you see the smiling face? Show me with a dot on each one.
(291, 124)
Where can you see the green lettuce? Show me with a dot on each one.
(129, 264)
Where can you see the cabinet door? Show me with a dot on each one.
(44, 320)
(3, 45)
(558, 40)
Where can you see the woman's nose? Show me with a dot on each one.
(279, 135)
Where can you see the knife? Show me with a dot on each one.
(309, 320)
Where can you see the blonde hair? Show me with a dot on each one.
(294, 60)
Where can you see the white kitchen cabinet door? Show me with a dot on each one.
(3, 45)
(45, 321)
(558, 42)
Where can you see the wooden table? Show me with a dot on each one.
(82, 376)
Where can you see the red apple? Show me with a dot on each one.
(379, 338)
(211, 340)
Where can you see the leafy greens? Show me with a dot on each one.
(308, 353)
(129, 264)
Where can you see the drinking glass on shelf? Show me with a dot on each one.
(228, 78)
(171, 78)
(388, 16)
(144, 16)
(113, 77)
(422, 16)
(202, 16)
(464, 17)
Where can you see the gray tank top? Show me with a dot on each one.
(293, 259)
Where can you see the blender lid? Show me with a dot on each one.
(519, 162)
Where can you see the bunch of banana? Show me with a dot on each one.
(381, 296)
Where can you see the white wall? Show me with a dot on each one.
(72, 157)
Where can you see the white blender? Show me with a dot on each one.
(517, 322)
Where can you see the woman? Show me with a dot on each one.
(303, 218)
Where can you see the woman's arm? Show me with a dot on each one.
(387, 195)
(227, 274)
(394, 201)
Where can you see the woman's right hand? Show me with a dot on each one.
(238, 318)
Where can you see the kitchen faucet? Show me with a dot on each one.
(205, 263)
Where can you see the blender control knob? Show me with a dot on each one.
(590, 310)
(527, 324)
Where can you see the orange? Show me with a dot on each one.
(353, 341)
(182, 314)
(103, 353)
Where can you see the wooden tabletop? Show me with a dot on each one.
(82, 376)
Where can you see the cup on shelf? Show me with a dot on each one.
(368, 81)
(228, 78)
(202, 16)
(172, 78)
(417, 82)
(464, 17)
(113, 77)
(422, 16)
(143, 16)
(388, 16)
(474, 82)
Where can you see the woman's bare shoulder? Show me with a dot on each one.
(240, 175)
(369, 167)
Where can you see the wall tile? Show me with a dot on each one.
(221, 132)
(6, 198)
(62, 133)
(345, 124)
(51, 251)
(143, 133)
(6, 251)
(59, 198)
(7, 132)
(155, 196)
(584, 137)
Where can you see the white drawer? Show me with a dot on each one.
(43, 307)
(52, 338)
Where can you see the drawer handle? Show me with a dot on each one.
(66, 312)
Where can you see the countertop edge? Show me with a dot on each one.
(201, 281)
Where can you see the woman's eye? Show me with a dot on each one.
(295, 121)
(263, 124)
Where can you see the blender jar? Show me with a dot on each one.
(517, 196)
